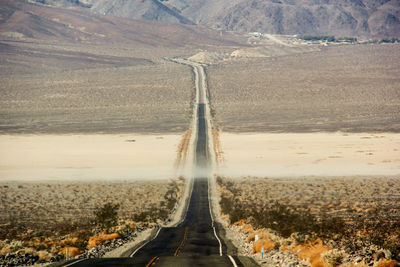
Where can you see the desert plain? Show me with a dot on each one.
(315, 128)
(310, 129)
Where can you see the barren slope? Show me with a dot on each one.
(23, 21)
(343, 18)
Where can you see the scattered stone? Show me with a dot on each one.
(26, 259)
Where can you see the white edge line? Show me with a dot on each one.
(219, 241)
(72, 263)
(146, 243)
(232, 260)
(212, 219)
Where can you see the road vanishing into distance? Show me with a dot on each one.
(195, 241)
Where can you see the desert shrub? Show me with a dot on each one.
(141, 216)
(68, 226)
(355, 233)
(330, 226)
(107, 215)
(151, 215)
(12, 230)
(226, 204)
(373, 229)
(318, 38)
(238, 213)
(333, 257)
(393, 40)
(163, 214)
(171, 203)
(171, 195)
(285, 219)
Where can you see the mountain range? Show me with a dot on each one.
(359, 18)
(70, 22)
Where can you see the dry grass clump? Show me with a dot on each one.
(265, 234)
(316, 218)
(53, 216)
(72, 251)
(388, 263)
(333, 257)
(94, 241)
(266, 244)
(312, 251)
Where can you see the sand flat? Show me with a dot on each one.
(303, 154)
(84, 157)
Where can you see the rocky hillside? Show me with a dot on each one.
(24, 21)
(134, 9)
(365, 18)
(369, 18)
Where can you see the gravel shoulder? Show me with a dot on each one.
(121, 251)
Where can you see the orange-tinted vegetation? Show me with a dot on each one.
(321, 222)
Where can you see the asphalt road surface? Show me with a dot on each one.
(195, 241)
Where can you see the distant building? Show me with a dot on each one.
(255, 34)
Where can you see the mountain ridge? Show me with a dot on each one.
(20, 20)
(362, 18)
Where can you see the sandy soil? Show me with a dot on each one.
(87, 157)
(304, 154)
(97, 89)
(350, 88)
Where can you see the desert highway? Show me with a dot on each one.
(195, 241)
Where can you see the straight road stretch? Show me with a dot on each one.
(195, 241)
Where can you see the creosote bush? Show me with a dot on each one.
(152, 214)
(107, 215)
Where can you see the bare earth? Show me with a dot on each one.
(87, 157)
(91, 89)
(304, 154)
(346, 88)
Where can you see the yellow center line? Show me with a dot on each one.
(152, 261)
(182, 243)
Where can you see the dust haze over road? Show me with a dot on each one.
(196, 240)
